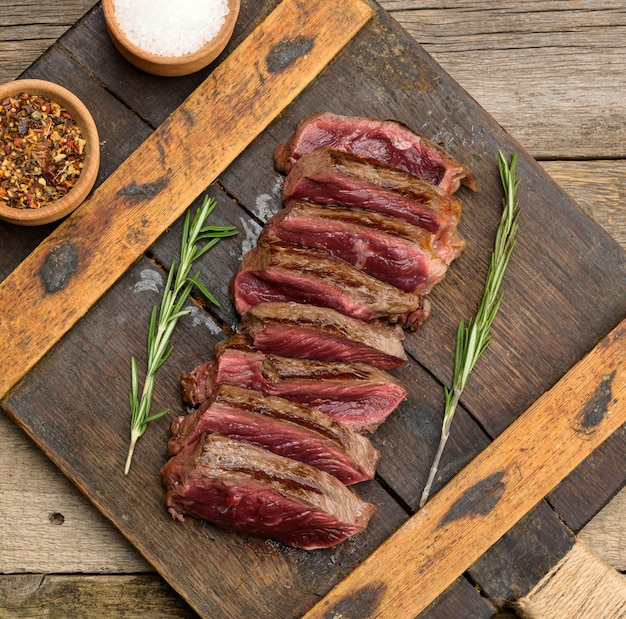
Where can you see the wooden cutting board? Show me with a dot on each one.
(77, 307)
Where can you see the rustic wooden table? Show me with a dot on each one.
(551, 73)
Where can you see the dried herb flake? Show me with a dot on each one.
(42, 151)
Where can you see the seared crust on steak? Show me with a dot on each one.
(328, 176)
(385, 247)
(387, 141)
(281, 272)
(243, 488)
(356, 394)
(305, 331)
(281, 426)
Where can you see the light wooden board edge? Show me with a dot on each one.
(74, 266)
(491, 494)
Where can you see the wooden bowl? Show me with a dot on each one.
(170, 66)
(60, 208)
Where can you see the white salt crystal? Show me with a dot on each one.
(169, 27)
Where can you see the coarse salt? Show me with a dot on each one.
(168, 28)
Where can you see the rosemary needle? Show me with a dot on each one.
(472, 339)
(163, 318)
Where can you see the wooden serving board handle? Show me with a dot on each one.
(494, 491)
(56, 285)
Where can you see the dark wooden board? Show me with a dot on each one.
(81, 421)
(461, 601)
(565, 291)
(520, 559)
(492, 494)
(583, 493)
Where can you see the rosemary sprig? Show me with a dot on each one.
(163, 318)
(472, 339)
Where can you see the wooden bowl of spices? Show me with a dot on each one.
(49, 152)
(170, 38)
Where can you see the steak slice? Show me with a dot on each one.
(305, 331)
(387, 248)
(328, 176)
(243, 488)
(387, 141)
(280, 272)
(283, 427)
(355, 394)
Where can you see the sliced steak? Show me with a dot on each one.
(385, 247)
(355, 394)
(283, 427)
(305, 331)
(387, 141)
(328, 176)
(243, 488)
(195, 387)
(281, 272)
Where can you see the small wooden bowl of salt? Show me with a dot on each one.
(170, 38)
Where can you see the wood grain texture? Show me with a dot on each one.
(222, 574)
(483, 501)
(131, 209)
(521, 557)
(567, 105)
(599, 188)
(101, 547)
(28, 28)
(599, 197)
(592, 484)
(24, 597)
(39, 503)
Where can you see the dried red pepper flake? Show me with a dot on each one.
(43, 151)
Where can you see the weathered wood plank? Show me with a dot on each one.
(24, 597)
(89, 440)
(131, 209)
(522, 556)
(149, 96)
(28, 28)
(120, 132)
(599, 188)
(30, 14)
(566, 105)
(545, 291)
(39, 503)
(590, 486)
(490, 495)
(102, 549)
(461, 601)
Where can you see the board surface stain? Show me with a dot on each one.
(145, 190)
(597, 407)
(58, 267)
(478, 500)
(359, 605)
(287, 51)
